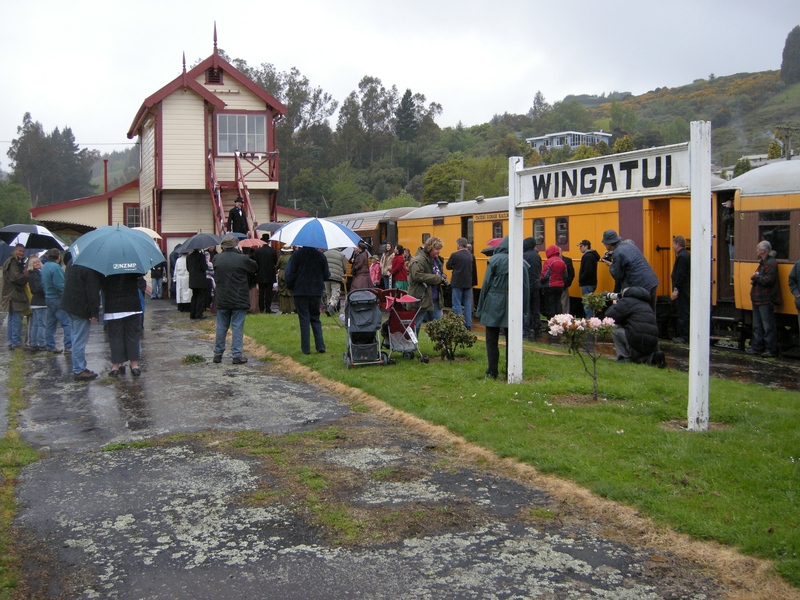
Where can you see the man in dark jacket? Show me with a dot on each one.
(464, 278)
(237, 221)
(266, 259)
(234, 273)
(628, 266)
(305, 276)
(587, 275)
(636, 335)
(569, 277)
(533, 325)
(81, 302)
(765, 293)
(681, 290)
(15, 300)
(199, 283)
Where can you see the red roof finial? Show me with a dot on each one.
(215, 37)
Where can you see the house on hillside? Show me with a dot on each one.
(573, 139)
(204, 138)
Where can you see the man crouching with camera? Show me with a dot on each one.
(636, 335)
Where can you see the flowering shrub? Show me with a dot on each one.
(448, 334)
(579, 336)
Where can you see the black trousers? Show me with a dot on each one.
(265, 297)
(493, 349)
(123, 338)
(200, 298)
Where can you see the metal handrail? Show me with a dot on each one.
(216, 196)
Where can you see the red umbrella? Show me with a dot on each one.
(251, 243)
(494, 242)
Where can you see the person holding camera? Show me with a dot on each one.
(636, 335)
(628, 266)
(465, 277)
(425, 278)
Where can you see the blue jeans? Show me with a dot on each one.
(307, 308)
(462, 304)
(157, 285)
(38, 327)
(588, 289)
(233, 319)
(765, 332)
(429, 315)
(14, 328)
(80, 336)
(55, 316)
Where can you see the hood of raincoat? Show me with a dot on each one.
(502, 247)
(528, 244)
(551, 251)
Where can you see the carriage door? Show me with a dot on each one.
(662, 259)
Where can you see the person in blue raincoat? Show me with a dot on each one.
(493, 304)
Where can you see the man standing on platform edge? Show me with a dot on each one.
(235, 273)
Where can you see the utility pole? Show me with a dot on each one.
(463, 181)
(295, 201)
(787, 131)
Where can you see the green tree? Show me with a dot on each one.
(676, 131)
(377, 106)
(14, 204)
(623, 117)
(774, 150)
(346, 194)
(540, 106)
(406, 126)
(401, 200)
(742, 166)
(441, 181)
(603, 149)
(584, 151)
(32, 156)
(624, 144)
(790, 66)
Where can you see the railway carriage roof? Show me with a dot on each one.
(369, 220)
(468, 207)
(782, 177)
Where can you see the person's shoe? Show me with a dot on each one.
(113, 373)
(217, 358)
(680, 340)
(623, 359)
(491, 375)
(751, 350)
(769, 355)
(659, 360)
(239, 360)
(321, 351)
(136, 371)
(31, 349)
(329, 310)
(67, 350)
(54, 351)
(15, 347)
(85, 375)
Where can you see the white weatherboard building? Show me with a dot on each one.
(573, 139)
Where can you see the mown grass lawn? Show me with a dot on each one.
(738, 484)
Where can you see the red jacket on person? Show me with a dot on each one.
(555, 266)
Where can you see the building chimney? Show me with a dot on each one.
(105, 175)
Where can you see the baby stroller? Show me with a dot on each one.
(398, 331)
(362, 323)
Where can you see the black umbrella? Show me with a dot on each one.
(269, 227)
(201, 241)
(32, 236)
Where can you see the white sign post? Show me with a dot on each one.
(700, 301)
(668, 170)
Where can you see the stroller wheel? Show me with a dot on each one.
(424, 359)
(384, 358)
(346, 360)
(408, 355)
(392, 361)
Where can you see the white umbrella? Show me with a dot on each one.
(148, 231)
(317, 233)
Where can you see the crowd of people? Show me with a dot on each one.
(309, 281)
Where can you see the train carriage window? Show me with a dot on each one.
(466, 228)
(775, 227)
(562, 232)
(497, 229)
(425, 237)
(538, 233)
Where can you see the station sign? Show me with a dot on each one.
(652, 172)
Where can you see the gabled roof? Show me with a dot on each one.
(39, 210)
(188, 80)
(217, 61)
(182, 81)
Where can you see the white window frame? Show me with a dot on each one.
(235, 129)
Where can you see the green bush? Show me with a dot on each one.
(448, 334)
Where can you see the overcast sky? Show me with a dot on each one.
(89, 64)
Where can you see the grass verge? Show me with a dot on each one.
(14, 455)
(738, 483)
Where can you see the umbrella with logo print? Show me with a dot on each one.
(116, 249)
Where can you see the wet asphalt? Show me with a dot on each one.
(168, 521)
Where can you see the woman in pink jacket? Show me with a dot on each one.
(553, 272)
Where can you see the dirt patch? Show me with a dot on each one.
(576, 400)
(683, 425)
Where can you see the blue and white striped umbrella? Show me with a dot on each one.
(317, 233)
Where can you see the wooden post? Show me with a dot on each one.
(700, 301)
